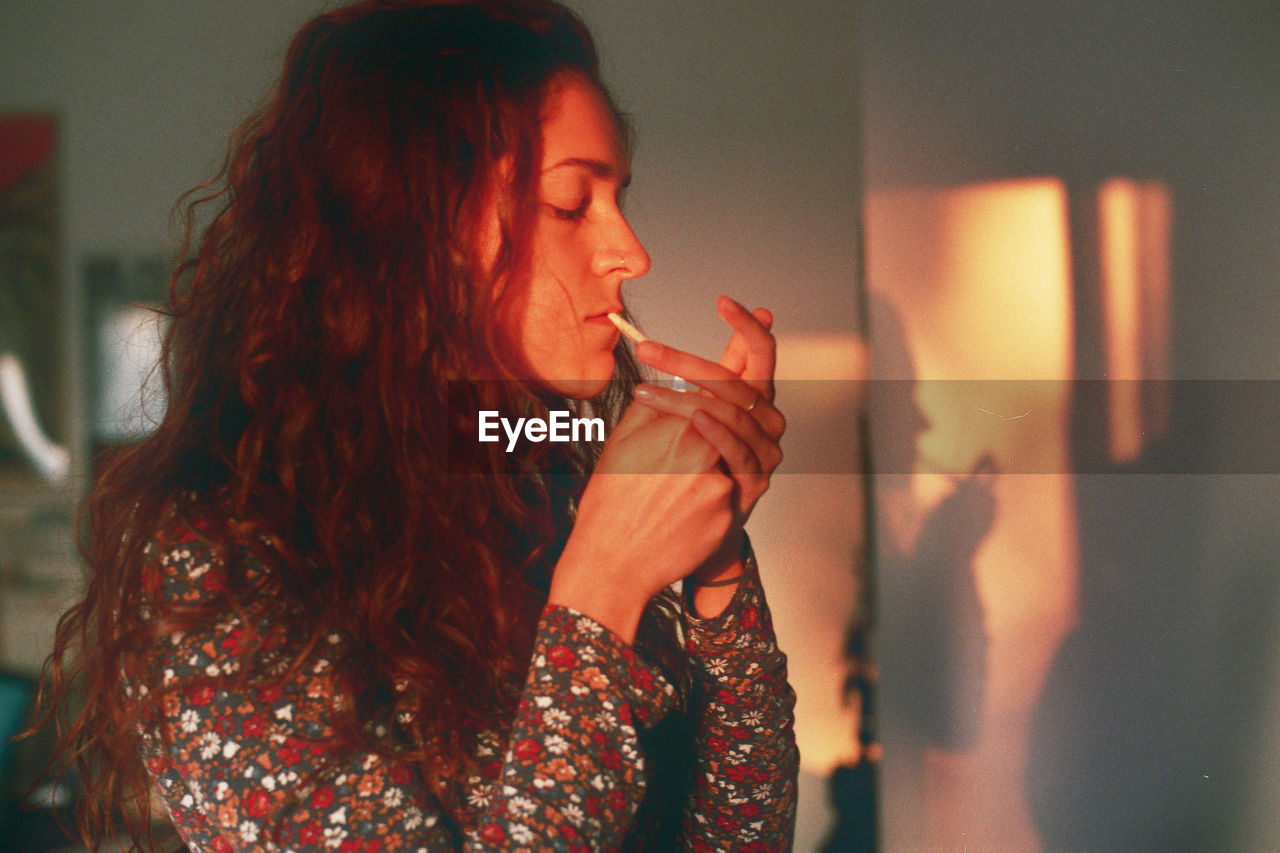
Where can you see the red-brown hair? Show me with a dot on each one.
(318, 327)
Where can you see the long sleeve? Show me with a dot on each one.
(252, 769)
(744, 792)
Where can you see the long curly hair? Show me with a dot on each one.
(324, 326)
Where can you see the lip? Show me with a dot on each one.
(604, 324)
(602, 317)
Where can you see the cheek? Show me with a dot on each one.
(550, 336)
(561, 250)
(555, 292)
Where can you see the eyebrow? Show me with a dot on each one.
(599, 168)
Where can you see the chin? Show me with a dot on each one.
(596, 377)
(579, 389)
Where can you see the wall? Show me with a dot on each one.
(1154, 728)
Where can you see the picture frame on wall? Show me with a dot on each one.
(32, 415)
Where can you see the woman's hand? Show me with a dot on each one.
(658, 505)
(677, 480)
(735, 412)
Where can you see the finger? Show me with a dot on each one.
(634, 418)
(736, 453)
(741, 464)
(679, 363)
(742, 423)
(712, 378)
(750, 434)
(763, 422)
(656, 443)
(761, 348)
(735, 354)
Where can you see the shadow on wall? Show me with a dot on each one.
(1149, 729)
(917, 654)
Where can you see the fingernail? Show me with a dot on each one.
(644, 392)
(648, 350)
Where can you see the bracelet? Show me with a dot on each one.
(725, 582)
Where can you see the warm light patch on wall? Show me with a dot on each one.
(1133, 234)
(817, 510)
(980, 276)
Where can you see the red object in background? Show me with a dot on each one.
(26, 143)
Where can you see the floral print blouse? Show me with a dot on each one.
(243, 770)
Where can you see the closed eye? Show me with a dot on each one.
(571, 214)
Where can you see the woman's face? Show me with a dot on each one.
(582, 248)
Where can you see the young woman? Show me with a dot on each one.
(323, 615)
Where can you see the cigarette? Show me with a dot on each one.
(626, 328)
(638, 337)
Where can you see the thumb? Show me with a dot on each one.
(636, 417)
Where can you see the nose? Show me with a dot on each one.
(620, 251)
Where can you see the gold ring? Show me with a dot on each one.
(753, 402)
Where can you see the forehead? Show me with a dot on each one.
(579, 124)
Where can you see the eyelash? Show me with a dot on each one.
(574, 214)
